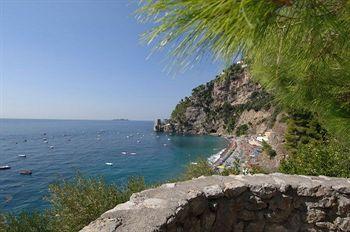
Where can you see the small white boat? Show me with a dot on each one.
(138, 141)
(124, 152)
(194, 163)
(22, 156)
(109, 164)
(52, 147)
(5, 167)
(169, 139)
(133, 153)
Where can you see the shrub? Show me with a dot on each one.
(255, 169)
(230, 171)
(259, 100)
(242, 130)
(315, 158)
(268, 149)
(76, 203)
(25, 222)
(303, 127)
(201, 168)
(2, 223)
(230, 125)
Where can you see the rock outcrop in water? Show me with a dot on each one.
(275, 202)
(231, 103)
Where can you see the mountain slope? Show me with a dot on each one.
(230, 104)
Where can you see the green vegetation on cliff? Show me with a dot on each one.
(303, 127)
(319, 158)
(312, 150)
(298, 50)
(218, 104)
(179, 112)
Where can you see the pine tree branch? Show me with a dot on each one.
(283, 2)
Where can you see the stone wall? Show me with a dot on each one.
(274, 202)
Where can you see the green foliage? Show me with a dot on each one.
(203, 92)
(230, 171)
(134, 185)
(303, 127)
(255, 169)
(201, 168)
(268, 149)
(231, 123)
(2, 223)
(259, 100)
(25, 222)
(76, 203)
(315, 158)
(242, 130)
(178, 113)
(297, 49)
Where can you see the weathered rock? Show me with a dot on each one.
(234, 203)
(213, 191)
(315, 215)
(344, 206)
(342, 223)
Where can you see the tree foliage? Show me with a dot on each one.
(298, 50)
(315, 158)
(303, 127)
(268, 149)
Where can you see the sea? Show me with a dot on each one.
(57, 150)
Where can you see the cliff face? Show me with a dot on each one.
(230, 104)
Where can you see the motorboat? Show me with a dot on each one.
(5, 167)
(22, 156)
(109, 164)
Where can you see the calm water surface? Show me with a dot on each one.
(57, 149)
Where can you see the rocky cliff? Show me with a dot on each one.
(230, 104)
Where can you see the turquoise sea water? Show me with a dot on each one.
(86, 146)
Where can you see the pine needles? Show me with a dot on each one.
(299, 50)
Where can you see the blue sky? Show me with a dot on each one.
(84, 60)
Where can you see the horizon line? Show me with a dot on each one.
(77, 119)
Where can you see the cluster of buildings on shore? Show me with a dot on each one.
(243, 153)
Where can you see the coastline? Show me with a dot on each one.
(245, 153)
(218, 158)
